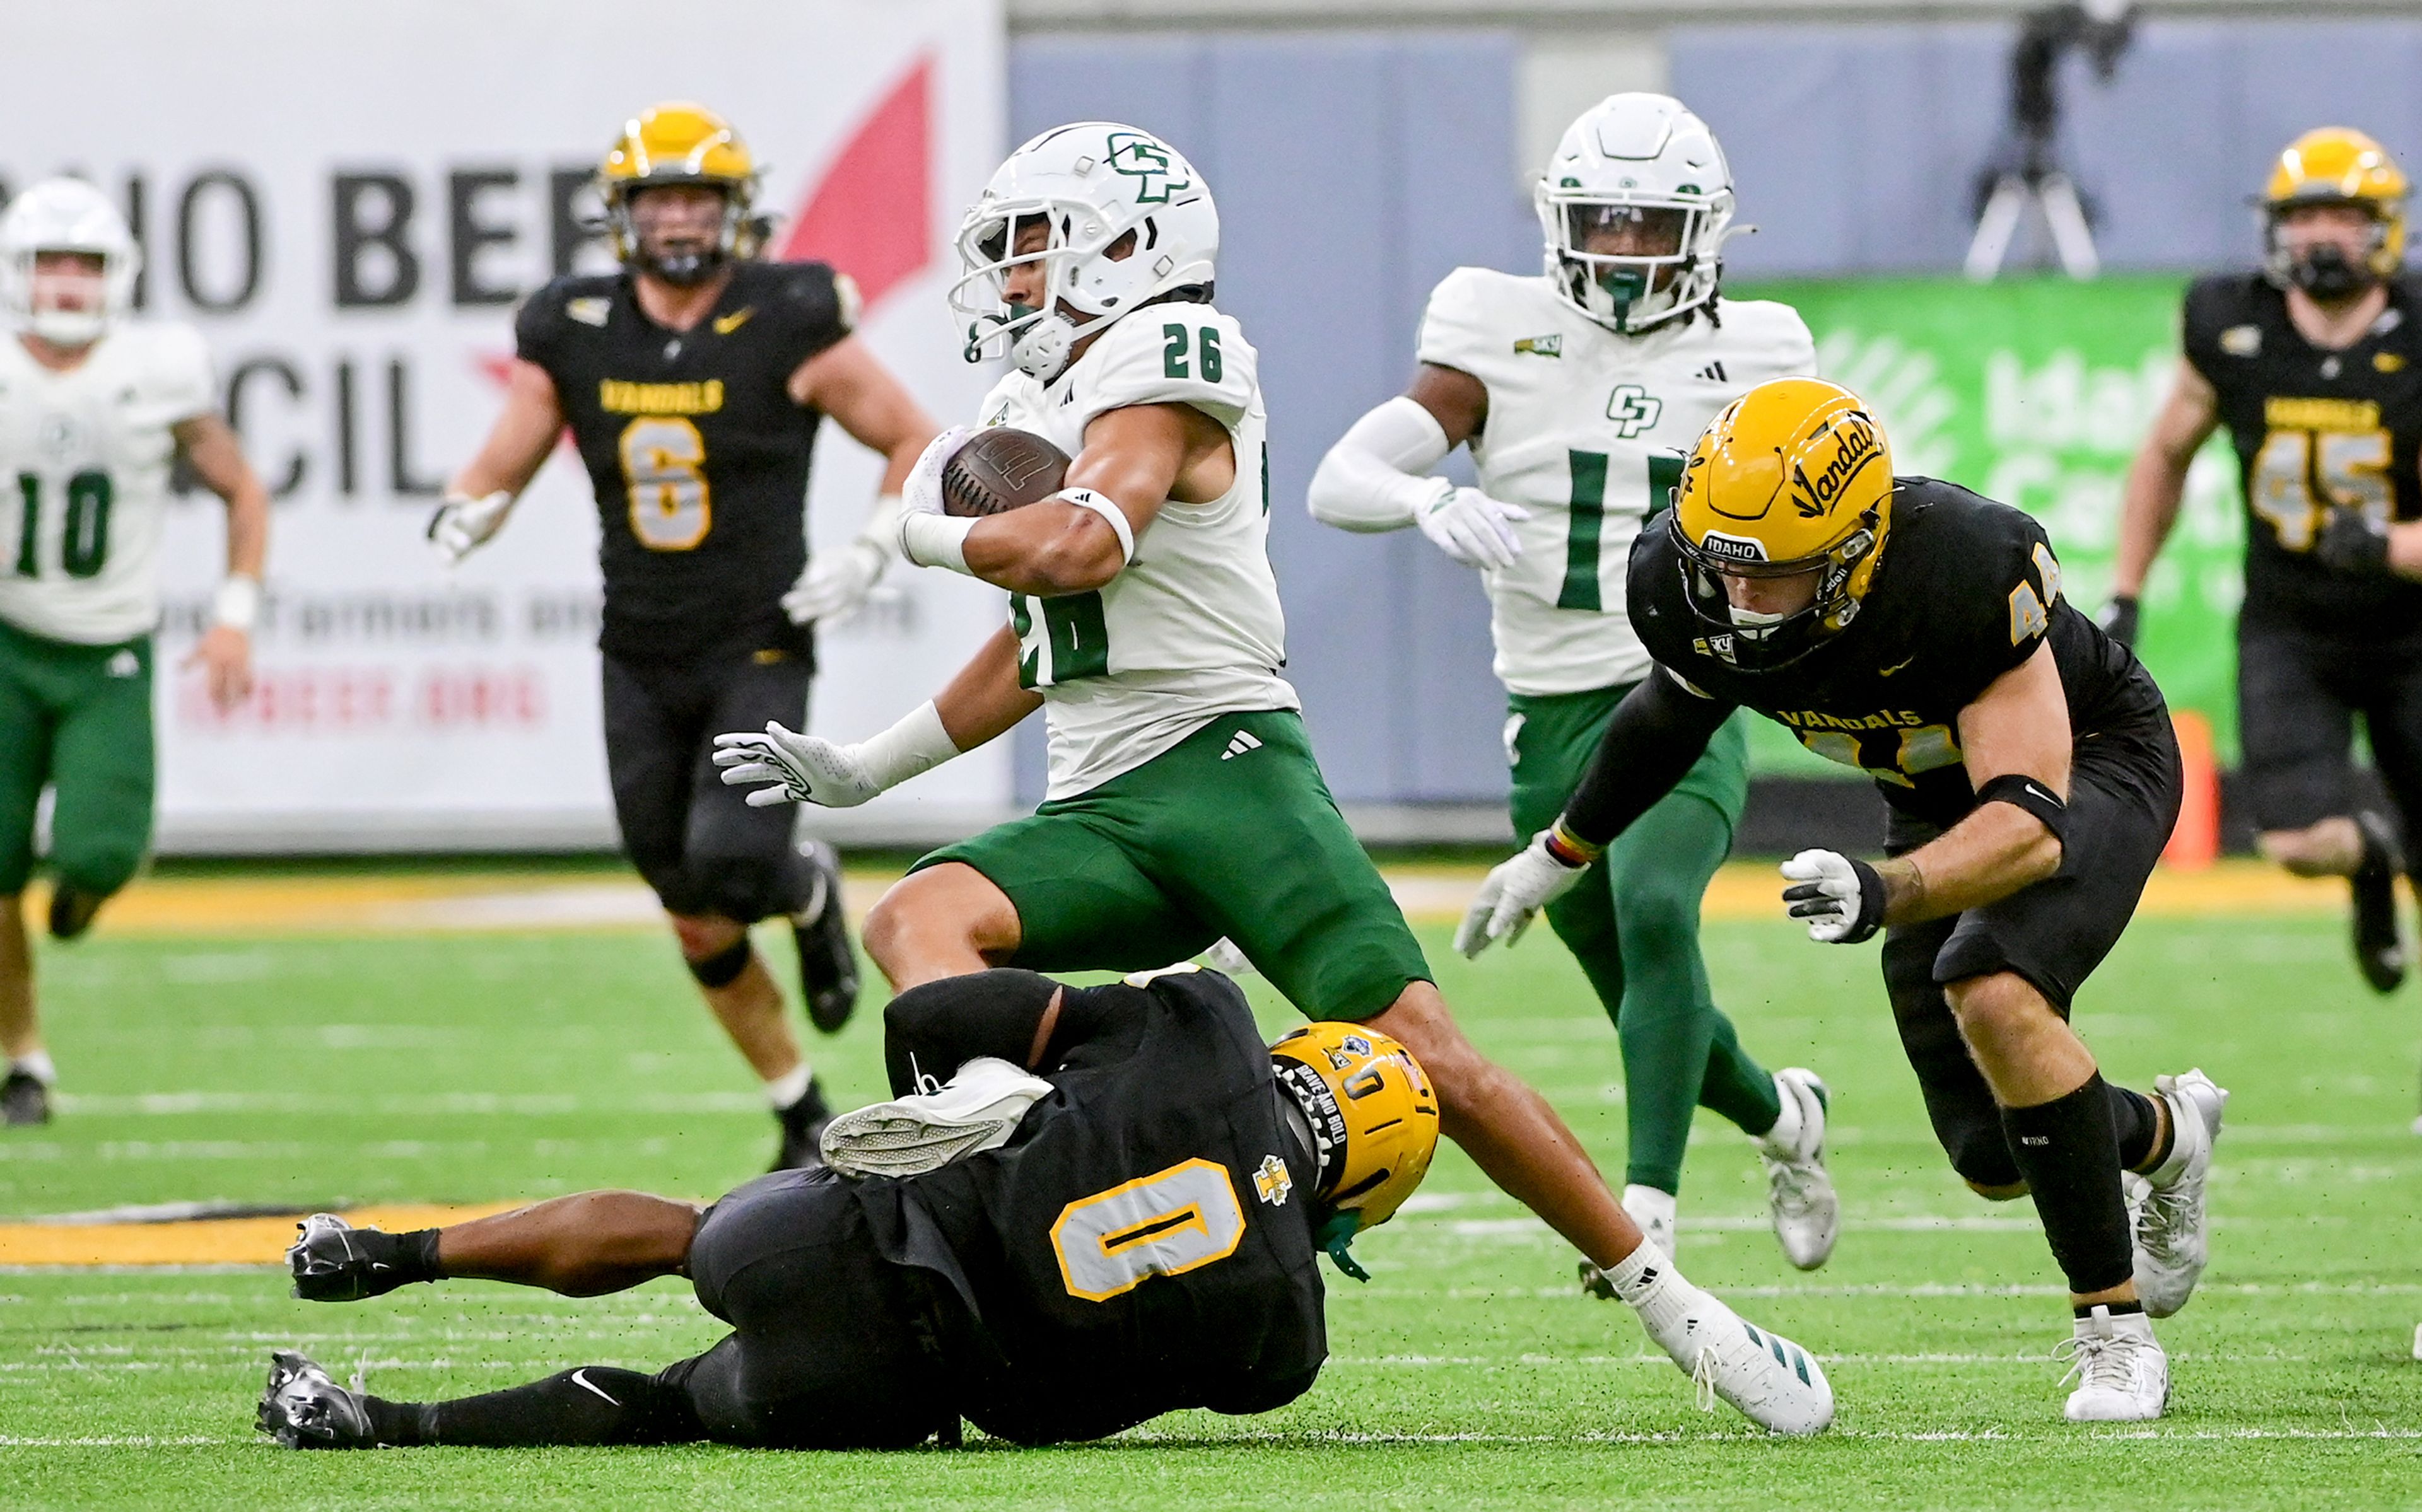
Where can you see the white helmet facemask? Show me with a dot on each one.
(65, 215)
(1640, 172)
(1124, 219)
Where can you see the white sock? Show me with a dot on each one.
(1783, 1138)
(1648, 1203)
(784, 1091)
(37, 1064)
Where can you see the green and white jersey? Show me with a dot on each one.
(1191, 629)
(1587, 430)
(84, 480)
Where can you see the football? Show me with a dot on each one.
(1002, 469)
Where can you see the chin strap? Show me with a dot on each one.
(1334, 1236)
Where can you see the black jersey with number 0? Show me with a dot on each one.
(2315, 430)
(1143, 1242)
(1967, 590)
(697, 452)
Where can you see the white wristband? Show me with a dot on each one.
(238, 604)
(1111, 515)
(917, 743)
(937, 541)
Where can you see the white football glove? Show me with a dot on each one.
(836, 583)
(797, 768)
(923, 493)
(463, 524)
(1841, 897)
(1512, 895)
(1471, 527)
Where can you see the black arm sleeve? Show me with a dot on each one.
(929, 1032)
(1657, 731)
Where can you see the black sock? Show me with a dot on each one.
(2138, 1125)
(595, 1403)
(2115, 1309)
(2069, 1154)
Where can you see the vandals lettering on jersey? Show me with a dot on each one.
(1816, 719)
(1141, 158)
(1540, 346)
(1632, 409)
(2282, 412)
(617, 397)
(1856, 445)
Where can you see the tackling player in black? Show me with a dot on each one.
(1134, 1230)
(2314, 366)
(693, 382)
(1912, 630)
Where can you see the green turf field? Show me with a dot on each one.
(480, 1068)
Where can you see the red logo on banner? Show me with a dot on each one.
(871, 215)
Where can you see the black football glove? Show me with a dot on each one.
(2351, 543)
(2118, 618)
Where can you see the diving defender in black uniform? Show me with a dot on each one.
(1915, 631)
(2314, 366)
(1127, 1221)
(693, 382)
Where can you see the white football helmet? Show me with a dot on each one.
(1642, 159)
(1093, 183)
(65, 215)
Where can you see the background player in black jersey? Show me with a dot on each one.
(693, 382)
(2314, 366)
(1133, 1230)
(1916, 631)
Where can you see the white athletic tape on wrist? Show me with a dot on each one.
(1111, 515)
(238, 604)
(917, 743)
(937, 541)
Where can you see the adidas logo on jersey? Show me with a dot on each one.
(1242, 742)
(1714, 373)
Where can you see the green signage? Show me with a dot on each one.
(2037, 393)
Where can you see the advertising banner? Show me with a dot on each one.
(2037, 393)
(349, 202)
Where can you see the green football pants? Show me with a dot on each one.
(77, 718)
(1633, 926)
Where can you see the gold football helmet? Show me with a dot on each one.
(1793, 477)
(1374, 1120)
(2334, 165)
(679, 143)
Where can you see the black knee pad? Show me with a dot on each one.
(1981, 1155)
(723, 968)
(746, 888)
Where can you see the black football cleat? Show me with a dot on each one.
(24, 1100)
(302, 1408)
(803, 1130)
(2378, 953)
(827, 966)
(335, 1262)
(72, 909)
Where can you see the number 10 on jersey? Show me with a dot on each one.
(83, 538)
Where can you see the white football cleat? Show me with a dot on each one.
(1767, 1378)
(1654, 1212)
(2122, 1376)
(977, 1109)
(1799, 1192)
(2171, 1246)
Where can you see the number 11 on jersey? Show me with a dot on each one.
(1588, 511)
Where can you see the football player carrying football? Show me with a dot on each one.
(2314, 366)
(1124, 1217)
(1185, 803)
(93, 410)
(1916, 631)
(1577, 391)
(693, 382)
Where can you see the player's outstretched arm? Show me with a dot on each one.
(2156, 482)
(1658, 731)
(224, 652)
(2016, 740)
(982, 702)
(849, 383)
(1378, 476)
(481, 495)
